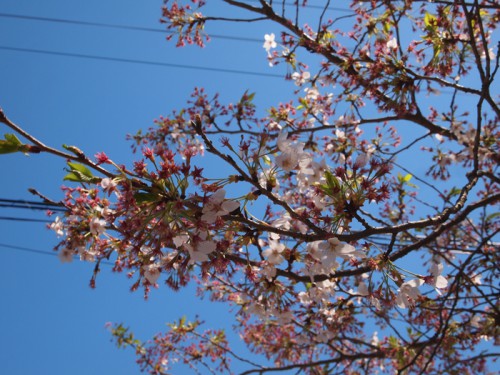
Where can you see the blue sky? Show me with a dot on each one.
(51, 321)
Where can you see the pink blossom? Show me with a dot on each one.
(97, 226)
(199, 248)
(217, 206)
(301, 78)
(65, 255)
(151, 273)
(108, 184)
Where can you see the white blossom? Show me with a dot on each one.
(439, 281)
(108, 184)
(392, 44)
(274, 251)
(408, 293)
(269, 42)
(57, 226)
(363, 289)
(301, 78)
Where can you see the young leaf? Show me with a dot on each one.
(10, 144)
(80, 168)
(145, 197)
(72, 177)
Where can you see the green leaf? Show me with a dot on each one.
(430, 21)
(80, 168)
(13, 139)
(72, 177)
(404, 179)
(80, 173)
(332, 181)
(11, 144)
(454, 191)
(75, 150)
(145, 197)
(492, 216)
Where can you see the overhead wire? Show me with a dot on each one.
(142, 28)
(379, 240)
(147, 29)
(117, 26)
(27, 204)
(5, 203)
(41, 252)
(11, 218)
(143, 62)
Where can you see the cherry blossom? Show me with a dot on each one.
(199, 247)
(65, 255)
(392, 44)
(273, 253)
(269, 42)
(218, 206)
(408, 293)
(57, 226)
(151, 273)
(301, 78)
(97, 226)
(438, 281)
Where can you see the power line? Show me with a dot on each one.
(118, 26)
(142, 62)
(27, 249)
(42, 252)
(10, 218)
(309, 6)
(145, 29)
(30, 205)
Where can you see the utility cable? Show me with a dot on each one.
(42, 252)
(141, 28)
(118, 26)
(143, 62)
(30, 205)
(10, 218)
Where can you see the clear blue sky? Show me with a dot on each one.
(51, 321)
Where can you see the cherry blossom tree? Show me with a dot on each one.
(353, 230)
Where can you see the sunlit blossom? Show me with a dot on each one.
(57, 226)
(273, 253)
(151, 273)
(408, 293)
(97, 226)
(301, 78)
(217, 206)
(392, 44)
(199, 248)
(269, 42)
